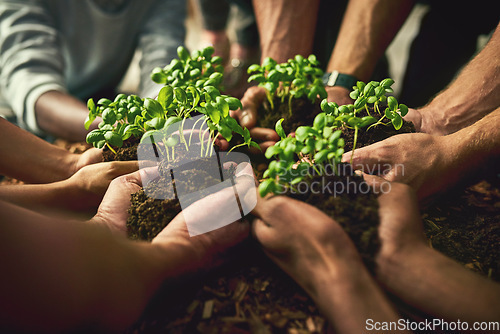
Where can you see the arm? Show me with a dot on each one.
(286, 28)
(472, 95)
(33, 160)
(367, 29)
(32, 72)
(82, 192)
(88, 275)
(63, 115)
(315, 251)
(159, 38)
(423, 277)
(431, 164)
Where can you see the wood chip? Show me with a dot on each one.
(311, 326)
(207, 309)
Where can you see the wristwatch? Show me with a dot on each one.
(339, 79)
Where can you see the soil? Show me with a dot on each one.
(303, 114)
(348, 199)
(148, 214)
(377, 133)
(127, 152)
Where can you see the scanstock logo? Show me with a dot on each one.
(193, 165)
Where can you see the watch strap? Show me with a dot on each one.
(339, 79)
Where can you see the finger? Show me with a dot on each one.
(264, 134)
(251, 100)
(145, 175)
(415, 117)
(261, 231)
(366, 160)
(262, 147)
(377, 183)
(222, 143)
(119, 168)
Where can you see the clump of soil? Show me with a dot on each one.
(375, 134)
(128, 152)
(350, 201)
(303, 114)
(155, 205)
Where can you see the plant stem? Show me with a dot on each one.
(355, 141)
(112, 150)
(181, 132)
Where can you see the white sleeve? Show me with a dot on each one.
(31, 62)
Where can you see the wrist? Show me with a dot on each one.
(332, 275)
(336, 78)
(71, 164)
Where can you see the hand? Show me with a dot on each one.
(89, 157)
(427, 163)
(339, 95)
(424, 120)
(206, 250)
(302, 240)
(90, 183)
(247, 117)
(113, 211)
(401, 227)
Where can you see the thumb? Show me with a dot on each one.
(365, 160)
(124, 167)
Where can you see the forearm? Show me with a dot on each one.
(42, 198)
(286, 27)
(62, 115)
(348, 296)
(429, 281)
(31, 159)
(61, 275)
(368, 27)
(472, 95)
(477, 143)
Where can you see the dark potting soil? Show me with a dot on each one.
(154, 206)
(350, 201)
(303, 114)
(375, 134)
(128, 152)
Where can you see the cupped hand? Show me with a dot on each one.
(427, 163)
(89, 184)
(401, 225)
(247, 117)
(91, 156)
(425, 120)
(208, 249)
(301, 239)
(113, 210)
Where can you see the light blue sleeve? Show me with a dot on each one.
(163, 31)
(31, 62)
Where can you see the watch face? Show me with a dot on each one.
(339, 79)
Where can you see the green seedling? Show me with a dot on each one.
(199, 68)
(179, 105)
(374, 93)
(294, 79)
(122, 118)
(128, 116)
(365, 95)
(313, 148)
